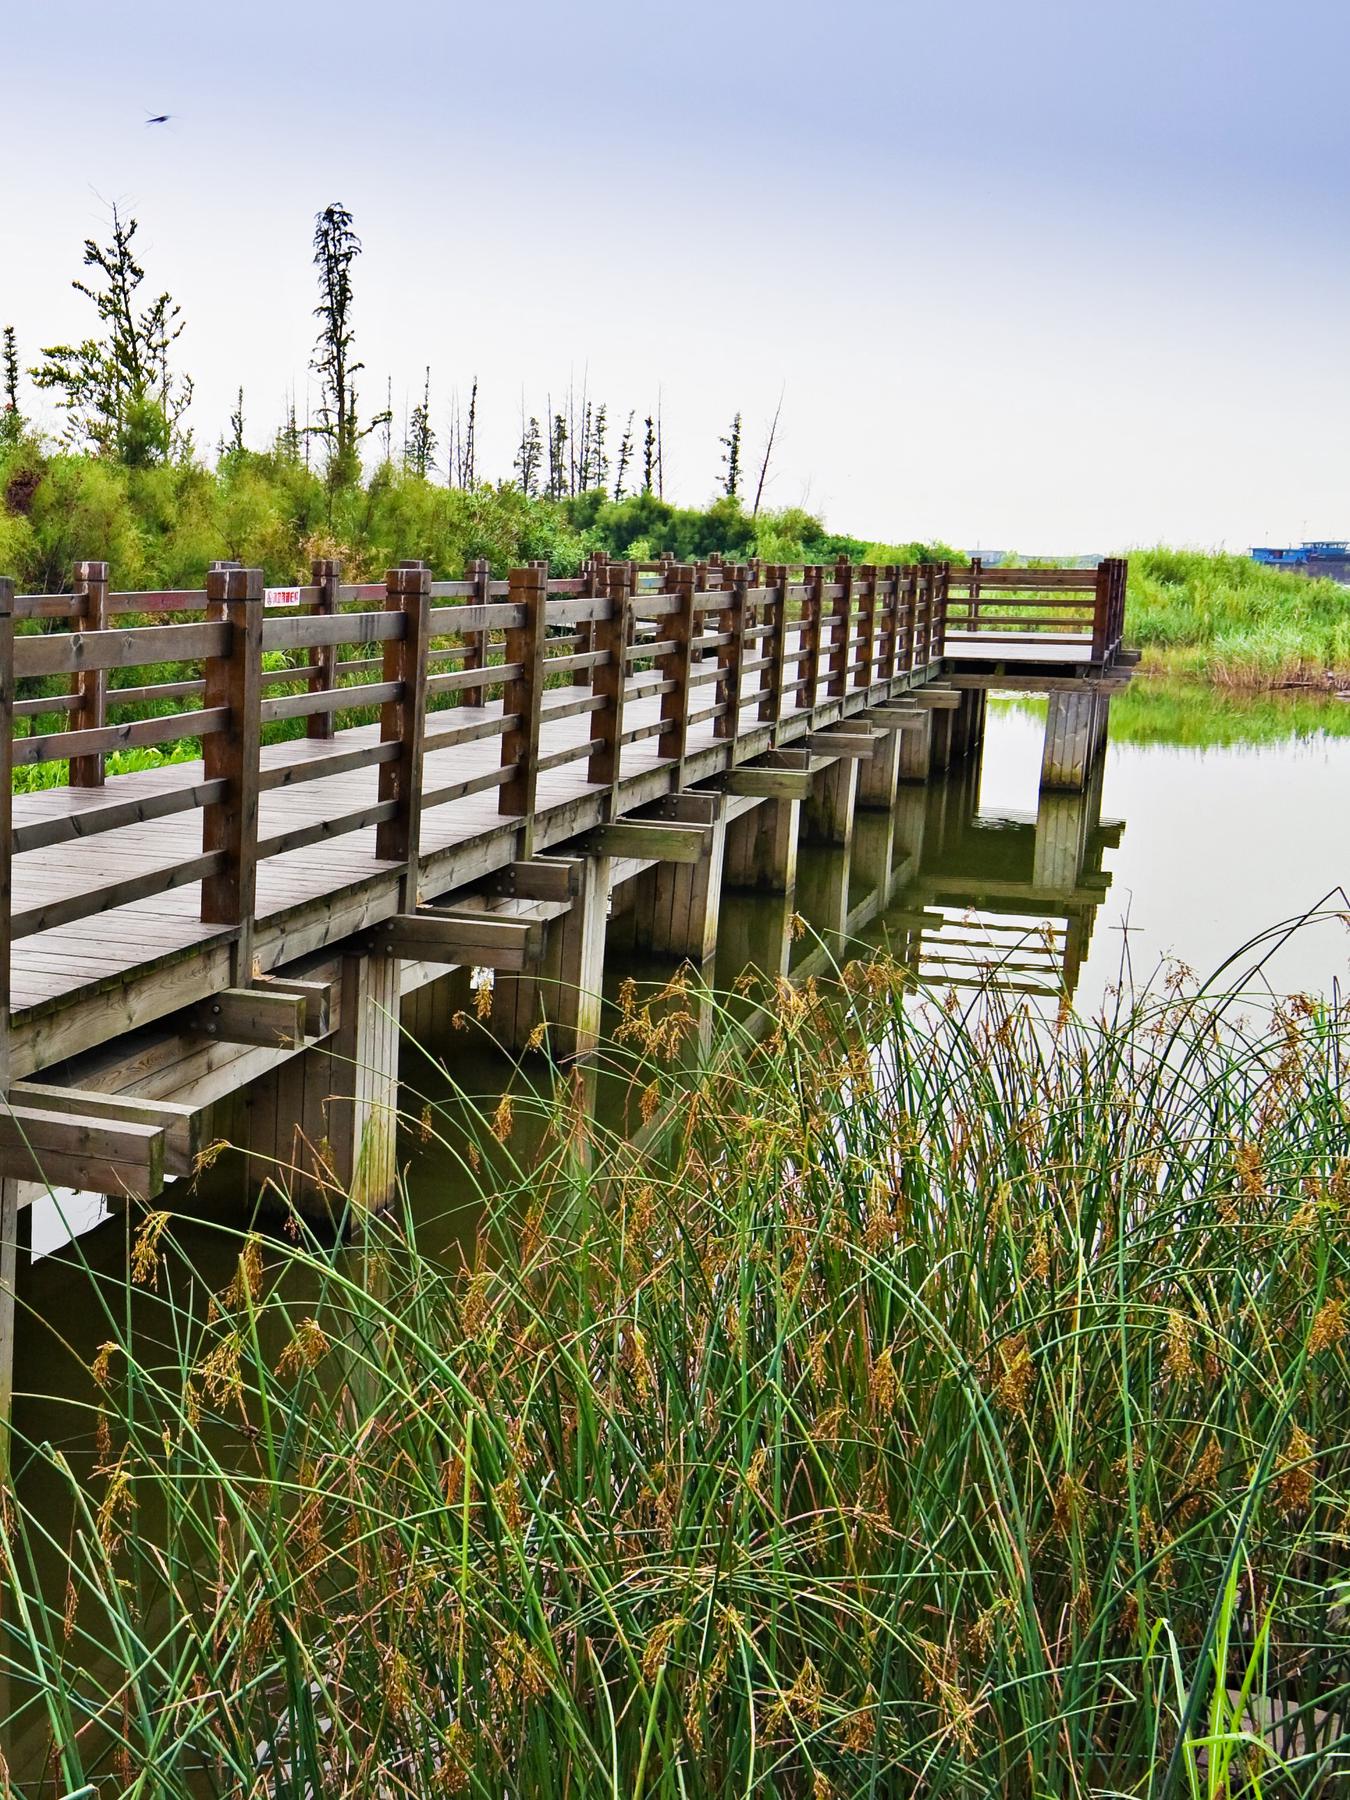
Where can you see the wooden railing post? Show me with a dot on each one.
(867, 618)
(90, 686)
(731, 623)
(809, 666)
(775, 577)
(1101, 610)
(923, 615)
(677, 629)
(523, 699)
(937, 639)
(841, 611)
(595, 580)
(973, 608)
(230, 824)
(325, 574)
(479, 572)
(609, 680)
(407, 590)
(890, 613)
(911, 577)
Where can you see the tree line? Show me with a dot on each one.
(125, 482)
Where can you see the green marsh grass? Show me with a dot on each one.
(1234, 622)
(923, 1400)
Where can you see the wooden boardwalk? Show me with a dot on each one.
(512, 748)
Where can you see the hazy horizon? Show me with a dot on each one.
(1032, 278)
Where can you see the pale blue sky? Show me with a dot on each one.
(1044, 276)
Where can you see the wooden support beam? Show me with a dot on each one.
(841, 743)
(61, 1149)
(898, 717)
(942, 699)
(183, 1126)
(462, 939)
(693, 807)
(767, 783)
(252, 1015)
(651, 840)
(318, 998)
(541, 878)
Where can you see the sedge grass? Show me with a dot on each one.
(923, 1400)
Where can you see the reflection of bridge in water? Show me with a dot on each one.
(1009, 898)
(966, 898)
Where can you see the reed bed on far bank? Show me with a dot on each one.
(1236, 623)
(932, 1402)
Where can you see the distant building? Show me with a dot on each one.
(1329, 557)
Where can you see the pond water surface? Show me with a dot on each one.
(1212, 820)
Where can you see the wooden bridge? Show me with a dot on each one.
(483, 762)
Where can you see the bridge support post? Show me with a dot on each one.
(564, 991)
(879, 773)
(968, 722)
(761, 848)
(364, 1110)
(331, 1113)
(916, 750)
(1075, 729)
(827, 817)
(677, 904)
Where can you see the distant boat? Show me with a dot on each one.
(1328, 557)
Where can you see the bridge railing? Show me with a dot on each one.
(235, 671)
(1083, 609)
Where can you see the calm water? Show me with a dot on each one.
(1210, 822)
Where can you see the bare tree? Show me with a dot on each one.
(768, 452)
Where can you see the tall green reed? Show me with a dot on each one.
(921, 1399)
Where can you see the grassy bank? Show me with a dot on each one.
(963, 1416)
(1232, 622)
